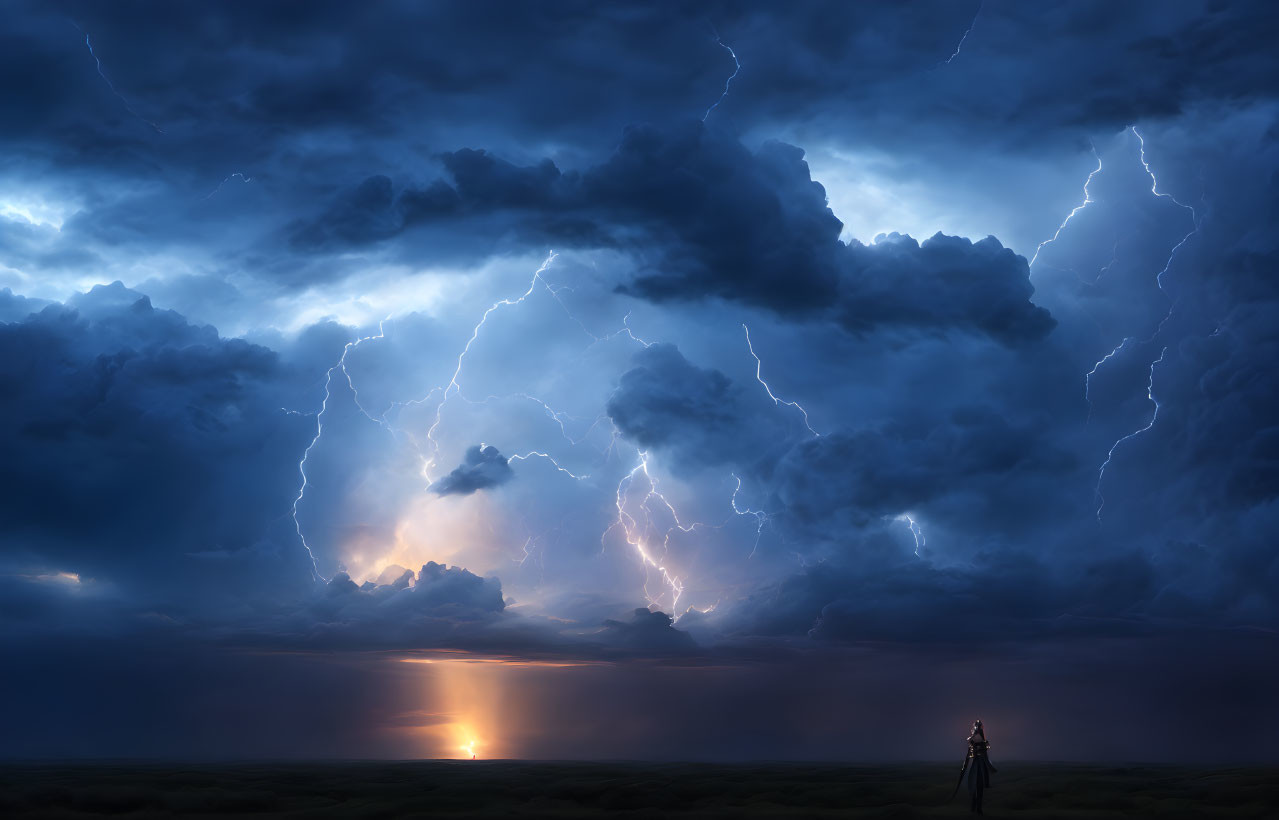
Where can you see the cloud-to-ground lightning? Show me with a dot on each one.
(737, 67)
(98, 61)
(1150, 394)
(967, 32)
(1087, 201)
(759, 377)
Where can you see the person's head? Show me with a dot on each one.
(977, 728)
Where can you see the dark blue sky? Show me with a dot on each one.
(711, 380)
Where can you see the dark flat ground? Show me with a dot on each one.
(522, 789)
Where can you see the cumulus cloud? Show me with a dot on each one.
(483, 468)
(649, 631)
(669, 403)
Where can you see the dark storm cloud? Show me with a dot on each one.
(484, 468)
(281, 97)
(708, 218)
(375, 71)
(152, 464)
(1004, 597)
(119, 414)
(650, 631)
(440, 605)
(667, 402)
(853, 477)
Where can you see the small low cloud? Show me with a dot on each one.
(483, 468)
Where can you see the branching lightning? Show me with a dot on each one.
(319, 431)
(915, 531)
(637, 535)
(1154, 189)
(1150, 385)
(776, 401)
(761, 517)
(737, 67)
(642, 532)
(1194, 220)
(453, 386)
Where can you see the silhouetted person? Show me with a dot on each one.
(977, 768)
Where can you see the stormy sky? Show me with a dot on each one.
(705, 380)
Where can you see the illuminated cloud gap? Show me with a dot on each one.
(554, 463)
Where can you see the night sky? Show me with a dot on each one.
(586, 380)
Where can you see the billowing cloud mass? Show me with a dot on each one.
(909, 362)
(484, 467)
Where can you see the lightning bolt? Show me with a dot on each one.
(236, 175)
(761, 517)
(319, 432)
(966, 33)
(737, 67)
(640, 530)
(1150, 385)
(915, 531)
(1087, 201)
(98, 61)
(453, 386)
(624, 330)
(554, 463)
(1194, 220)
(1150, 394)
(1088, 376)
(636, 535)
(776, 401)
(452, 389)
